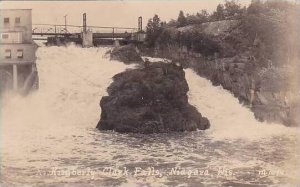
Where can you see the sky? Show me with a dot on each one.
(121, 13)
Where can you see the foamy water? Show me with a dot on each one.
(231, 120)
(53, 129)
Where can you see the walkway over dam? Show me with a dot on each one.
(87, 35)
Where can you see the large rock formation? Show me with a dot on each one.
(151, 99)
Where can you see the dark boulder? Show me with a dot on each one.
(150, 99)
(127, 54)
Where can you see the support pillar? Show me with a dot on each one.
(84, 22)
(140, 24)
(15, 77)
(87, 35)
(87, 39)
(116, 43)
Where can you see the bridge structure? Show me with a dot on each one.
(87, 35)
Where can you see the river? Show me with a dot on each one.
(49, 137)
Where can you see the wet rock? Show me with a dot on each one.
(151, 99)
(127, 54)
(268, 91)
(277, 99)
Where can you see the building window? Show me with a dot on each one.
(4, 36)
(20, 53)
(7, 53)
(17, 20)
(6, 20)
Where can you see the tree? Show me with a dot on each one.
(233, 8)
(204, 13)
(153, 30)
(192, 19)
(156, 22)
(255, 7)
(219, 14)
(203, 16)
(181, 19)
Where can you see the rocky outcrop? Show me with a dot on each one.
(127, 54)
(150, 99)
(269, 92)
(260, 72)
(277, 97)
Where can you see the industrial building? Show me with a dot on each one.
(17, 51)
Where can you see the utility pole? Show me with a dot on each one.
(66, 23)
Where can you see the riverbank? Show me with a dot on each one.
(262, 77)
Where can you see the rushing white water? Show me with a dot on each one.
(55, 128)
(229, 118)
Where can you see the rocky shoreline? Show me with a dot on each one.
(238, 62)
